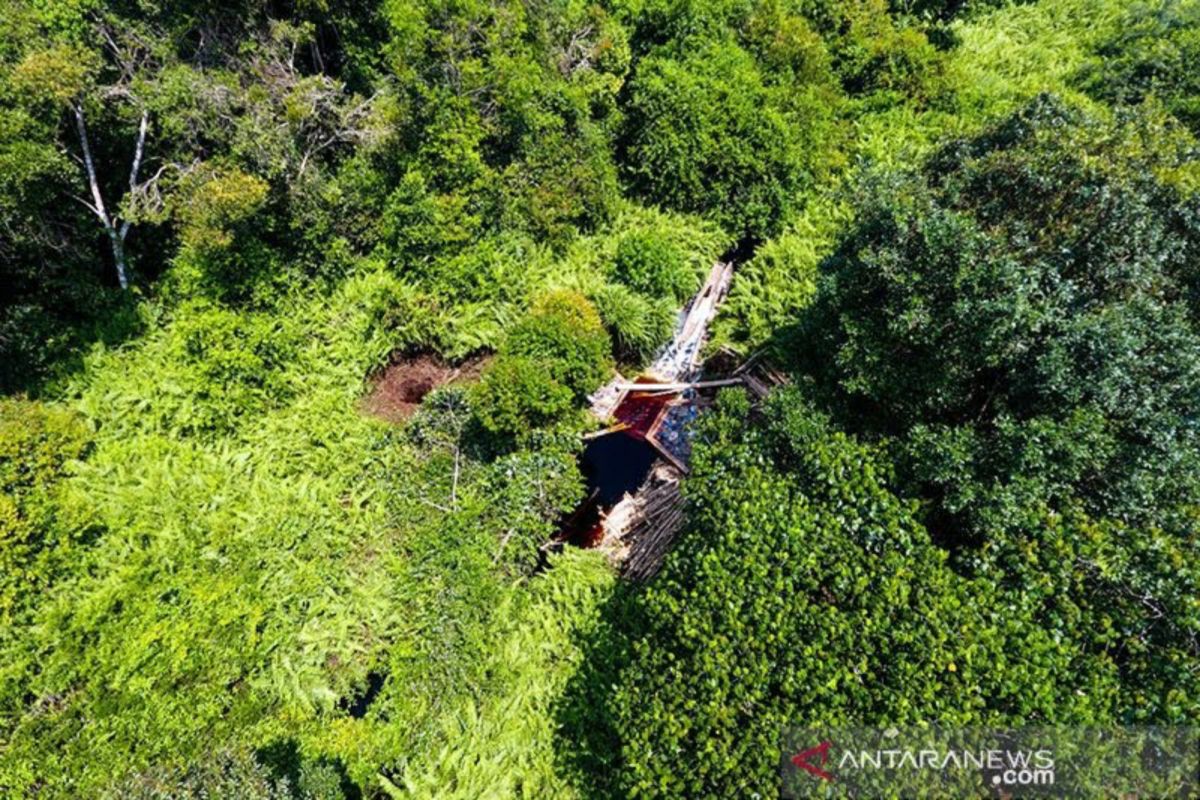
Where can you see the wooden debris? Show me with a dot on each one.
(677, 387)
(641, 527)
(759, 376)
(681, 359)
(607, 397)
(660, 517)
(757, 388)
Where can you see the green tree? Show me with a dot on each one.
(1019, 319)
(706, 133)
(510, 123)
(110, 110)
(1016, 326)
(804, 591)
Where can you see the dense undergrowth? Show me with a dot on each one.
(975, 234)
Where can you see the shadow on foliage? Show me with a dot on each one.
(43, 341)
(588, 751)
(307, 778)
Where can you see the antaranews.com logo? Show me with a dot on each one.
(959, 763)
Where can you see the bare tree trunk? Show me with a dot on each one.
(116, 229)
(118, 251)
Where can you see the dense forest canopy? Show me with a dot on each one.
(967, 231)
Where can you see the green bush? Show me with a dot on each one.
(517, 395)
(651, 264)
(37, 445)
(564, 334)
(395, 314)
(223, 234)
(775, 286)
(506, 742)
(874, 52)
(639, 326)
(531, 491)
(1153, 54)
(229, 773)
(231, 366)
(494, 270)
(804, 592)
(551, 359)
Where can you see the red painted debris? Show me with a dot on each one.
(640, 411)
(652, 424)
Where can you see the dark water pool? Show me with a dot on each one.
(611, 465)
(616, 464)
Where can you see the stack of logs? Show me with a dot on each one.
(658, 518)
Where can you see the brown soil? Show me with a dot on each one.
(396, 392)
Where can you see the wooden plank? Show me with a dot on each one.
(757, 387)
(662, 451)
(677, 387)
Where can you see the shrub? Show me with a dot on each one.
(639, 326)
(551, 359)
(228, 773)
(873, 53)
(771, 289)
(531, 491)
(222, 226)
(803, 591)
(653, 265)
(215, 205)
(393, 314)
(564, 334)
(517, 395)
(1153, 53)
(37, 443)
(231, 365)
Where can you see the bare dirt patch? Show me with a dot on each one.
(396, 393)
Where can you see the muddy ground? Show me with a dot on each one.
(396, 392)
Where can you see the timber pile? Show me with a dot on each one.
(659, 518)
(759, 376)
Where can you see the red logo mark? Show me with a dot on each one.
(801, 760)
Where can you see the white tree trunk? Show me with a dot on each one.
(116, 229)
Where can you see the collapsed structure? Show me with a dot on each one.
(633, 467)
